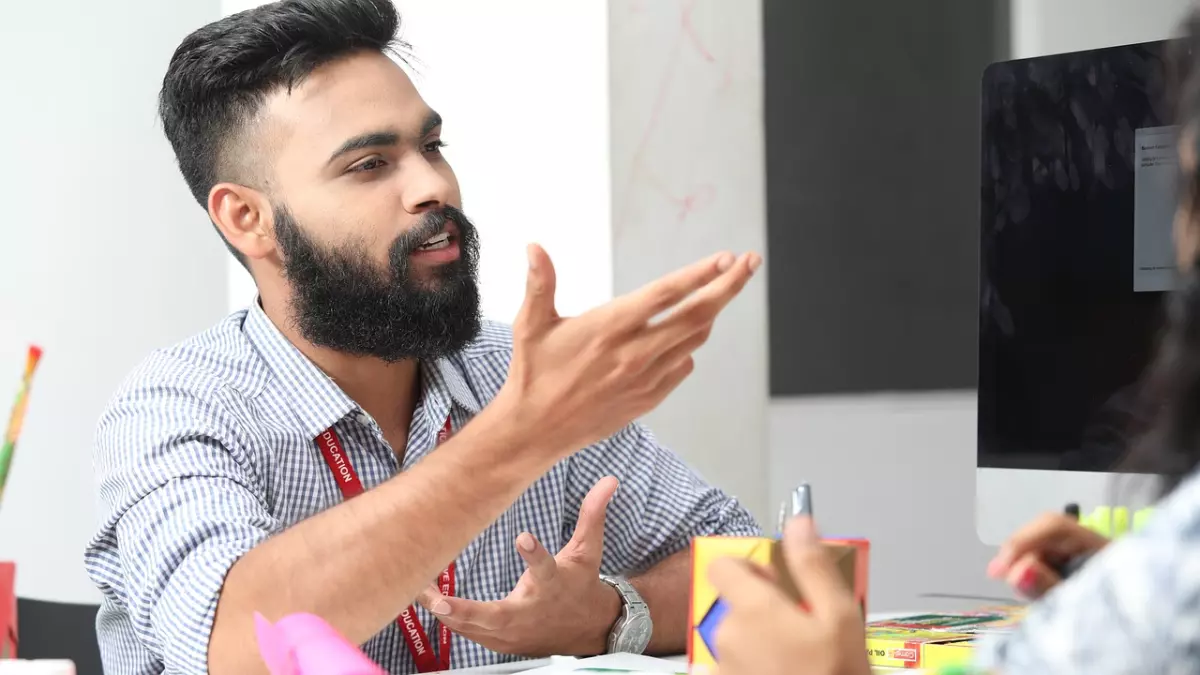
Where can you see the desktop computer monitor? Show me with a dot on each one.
(1078, 189)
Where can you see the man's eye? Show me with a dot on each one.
(369, 165)
(434, 146)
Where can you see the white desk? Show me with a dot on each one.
(562, 664)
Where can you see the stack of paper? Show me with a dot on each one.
(623, 664)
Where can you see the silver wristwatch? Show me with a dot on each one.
(631, 632)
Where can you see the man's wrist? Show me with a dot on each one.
(608, 610)
(509, 425)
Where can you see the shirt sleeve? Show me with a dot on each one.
(1134, 608)
(181, 505)
(660, 504)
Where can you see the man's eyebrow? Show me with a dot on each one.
(384, 139)
(432, 121)
(371, 139)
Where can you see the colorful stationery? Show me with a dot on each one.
(932, 641)
(9, 446)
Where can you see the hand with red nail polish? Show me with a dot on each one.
(1027, 561)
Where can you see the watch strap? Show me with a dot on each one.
(631, 631)
(629, 595)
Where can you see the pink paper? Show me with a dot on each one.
(304, 644)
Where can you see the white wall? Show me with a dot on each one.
(900, 470)
(1056, 26)
(105, 255)
(523, 89)
(688, 179)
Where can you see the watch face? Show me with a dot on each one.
(635, 634)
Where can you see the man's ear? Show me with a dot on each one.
(244, 217)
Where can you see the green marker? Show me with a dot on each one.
(961, 669)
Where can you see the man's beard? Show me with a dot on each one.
(342, 300)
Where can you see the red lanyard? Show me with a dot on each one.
(410, 625)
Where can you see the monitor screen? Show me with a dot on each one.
(1079, 181)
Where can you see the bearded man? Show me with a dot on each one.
(359, 443)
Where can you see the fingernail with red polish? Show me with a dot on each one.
(1027, 584)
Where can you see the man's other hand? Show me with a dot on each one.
(559, 606)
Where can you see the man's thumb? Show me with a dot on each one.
(538, 307)
(588, 538)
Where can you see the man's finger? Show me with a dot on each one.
(701, 306)
(687, 327)
(542, 565)
(538, 308)
(670, 379)
(463, 615)
(742, 587)
(676, 355)
(432, 599)
(587, 542)
(658, 296)
(812, 568)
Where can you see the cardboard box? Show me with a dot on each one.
(914, 648)
(851, 556)
(935, 640)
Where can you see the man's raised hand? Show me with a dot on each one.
(581, 379)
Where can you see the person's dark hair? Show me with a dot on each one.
(1171, 448)
(220, 75)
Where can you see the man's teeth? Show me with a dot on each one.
(434, 243)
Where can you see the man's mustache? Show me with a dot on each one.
(432, 224)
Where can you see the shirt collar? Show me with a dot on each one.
(313, 396)
(319, 403)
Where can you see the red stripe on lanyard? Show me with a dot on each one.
(410, 626)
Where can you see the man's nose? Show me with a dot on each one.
(425, 188)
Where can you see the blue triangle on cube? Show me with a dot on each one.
(708, 625)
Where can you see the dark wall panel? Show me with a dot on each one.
(872, 138)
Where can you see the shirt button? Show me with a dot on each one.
(365, 420)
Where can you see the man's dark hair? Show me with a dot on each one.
(221, 73)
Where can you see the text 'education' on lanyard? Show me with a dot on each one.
(410, 626)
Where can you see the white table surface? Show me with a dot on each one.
(563, 664)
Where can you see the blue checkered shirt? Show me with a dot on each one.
(208, 448)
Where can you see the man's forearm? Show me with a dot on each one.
(358, 565)
(667, 590)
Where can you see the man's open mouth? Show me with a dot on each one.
(436, 242)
